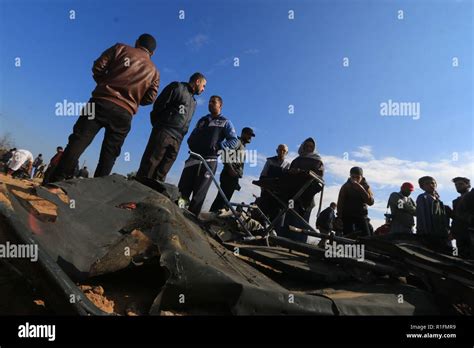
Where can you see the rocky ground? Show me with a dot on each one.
(109, 293)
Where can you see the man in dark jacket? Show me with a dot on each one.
(460, 227)
(170, 118)
(275, 166)
(36, 163)
(83, 173)
(126, 78)
(354, 197)
(402, 209)
(308, 160)
(464, 215)
(233, 169)
(53, 163)
(325, 220)
(432, 222)
(213, 132)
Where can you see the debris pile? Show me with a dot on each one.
(135, 252)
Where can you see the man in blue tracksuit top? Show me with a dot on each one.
(213, 133)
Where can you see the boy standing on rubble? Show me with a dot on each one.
(432, 221)
(213, 133)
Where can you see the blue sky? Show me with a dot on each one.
(283, 62)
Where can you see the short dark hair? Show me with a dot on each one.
(217, 97)
(147, 41)
(196, 76)
(59, 148)
(356, 171)
(333, 204)
(465, 180)
(40, 155)
(424, 179)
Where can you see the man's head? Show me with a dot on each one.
(59, 149)
(40, 155)
(356, 174)
(407, 188)
(282, 151)
(427, 184)
(333, 205)
(215, 105)
(85, 168)
(197, 81)
(462, 184)
(247, 134)
(146, 41)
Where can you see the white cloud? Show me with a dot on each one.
(261, 159)
(364, 152)
(228, 61)
(392, 172)
(196, 42)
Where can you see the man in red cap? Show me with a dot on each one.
(403, 210)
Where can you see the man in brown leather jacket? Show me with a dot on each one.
(126, 78)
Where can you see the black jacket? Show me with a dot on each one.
(173, 109)
(211, 135)
(463, 220)
(326, 218)
(403, 213)
(234, 161)
(314, 163)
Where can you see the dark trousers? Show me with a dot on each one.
(196, 180)
(117, 123)
(160, 154)
(228, 184)
(353, 224)
(465, 245)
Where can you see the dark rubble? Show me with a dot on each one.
(121, 233)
